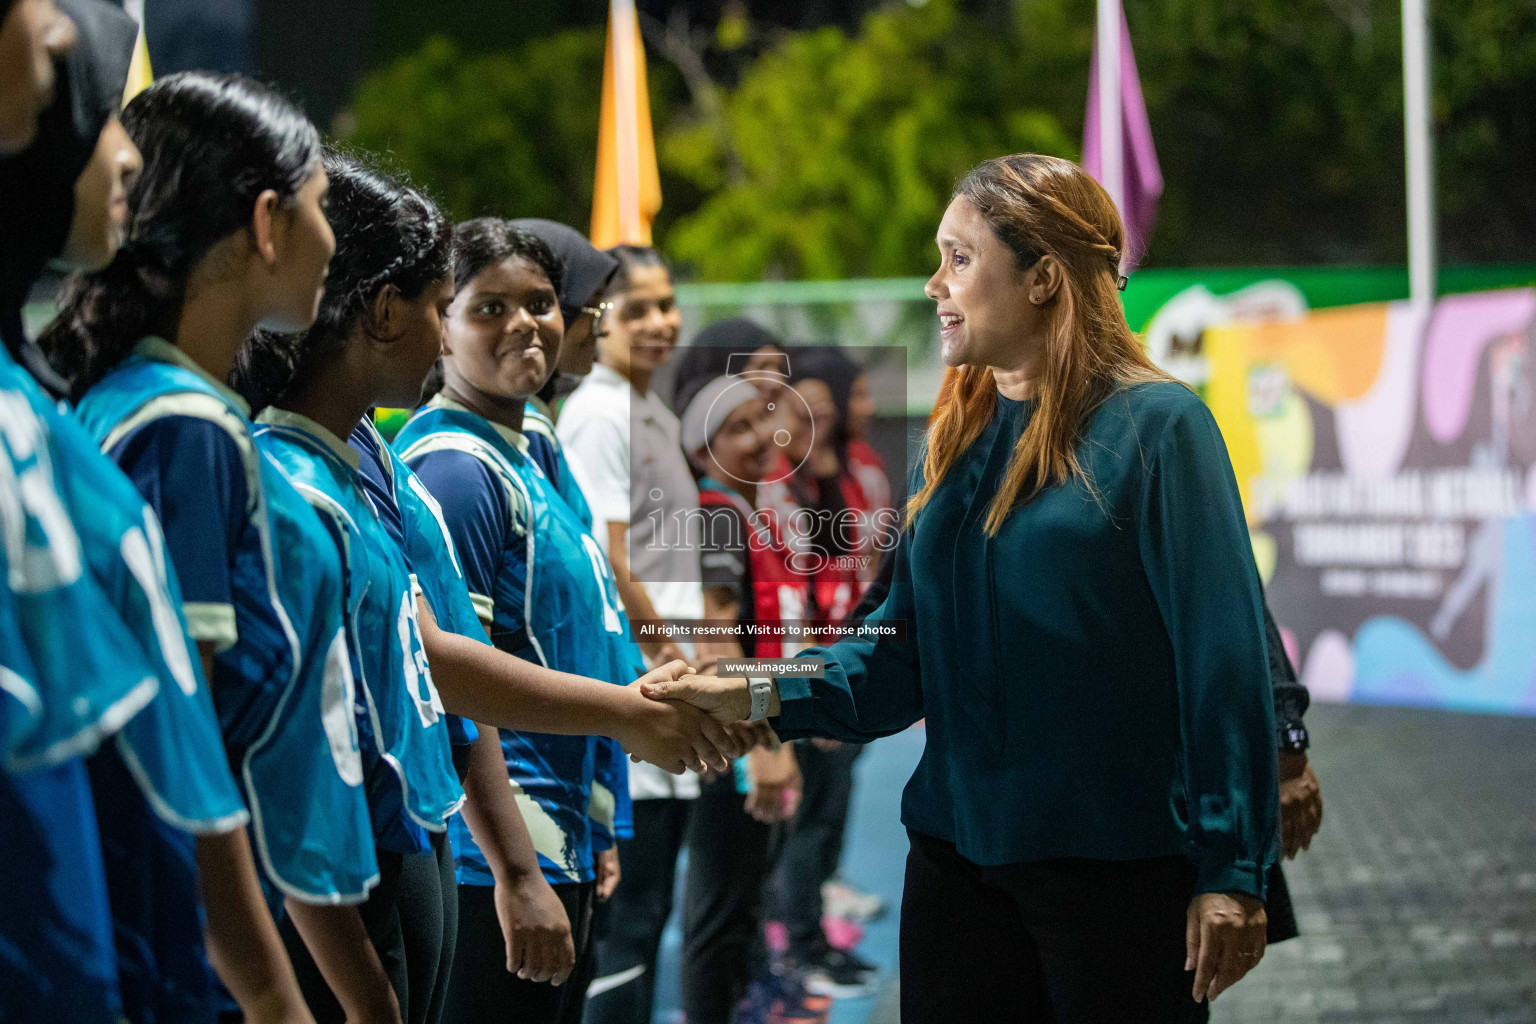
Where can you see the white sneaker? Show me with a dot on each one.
(838, 899)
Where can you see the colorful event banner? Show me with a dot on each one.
(1387, 459)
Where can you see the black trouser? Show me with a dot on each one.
(411, 918)
(722, 920)
(1061, 941)
(629, 925)
(483, 991)
(814, 844)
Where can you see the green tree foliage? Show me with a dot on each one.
(837, 152)
(511, 134)
(829, 152)
(1279, 123)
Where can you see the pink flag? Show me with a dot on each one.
(1143, 180)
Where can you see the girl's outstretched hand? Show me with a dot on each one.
(665, 673)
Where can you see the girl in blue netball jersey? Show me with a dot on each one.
(542, 588)
(381, 603)
(227, 232)
(377, 335)
(72, 669)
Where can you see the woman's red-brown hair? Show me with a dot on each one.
(1037, 205)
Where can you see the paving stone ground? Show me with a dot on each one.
(1417, 900)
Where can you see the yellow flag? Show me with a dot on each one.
(139, 73)
(627, 192)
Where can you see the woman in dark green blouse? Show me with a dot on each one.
(1079, 620)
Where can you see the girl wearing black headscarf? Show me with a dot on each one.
(33, 34)
(66, 194)
(69, 690)
(586, 271)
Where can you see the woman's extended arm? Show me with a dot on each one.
(871, 687)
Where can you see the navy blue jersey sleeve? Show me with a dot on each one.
(542, 451)
(474, 508)
(193, 474)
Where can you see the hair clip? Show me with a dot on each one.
(1120, 281)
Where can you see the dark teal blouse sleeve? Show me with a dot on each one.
(872, 688)
(1199, 561)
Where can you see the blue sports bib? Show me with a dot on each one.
(555, 602)
(283, 688)
(71, 669)
(405, 734)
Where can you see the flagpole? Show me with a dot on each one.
(1419, 153)
(1111, 132)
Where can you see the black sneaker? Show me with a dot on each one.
(829, 971)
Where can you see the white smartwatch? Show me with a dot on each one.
(760, 689)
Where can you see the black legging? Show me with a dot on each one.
(1069, 941)
(482, 991)
(629, 925)
(813, 845)
(728, 861)
(412, 919)
(428, 910)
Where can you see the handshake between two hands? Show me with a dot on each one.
(691, 722)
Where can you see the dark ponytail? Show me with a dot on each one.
(386, 233)
(481, 243)
(211, 144)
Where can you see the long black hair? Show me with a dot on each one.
(211, 144)
(832, 366)
(387, 232)
(484, 242)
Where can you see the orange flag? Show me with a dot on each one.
(140, 76)
(627, 192)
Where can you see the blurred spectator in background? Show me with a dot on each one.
(727, 433)
(812, 474)
(625, 452)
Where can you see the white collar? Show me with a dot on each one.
(275, 417)
(162, 351)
